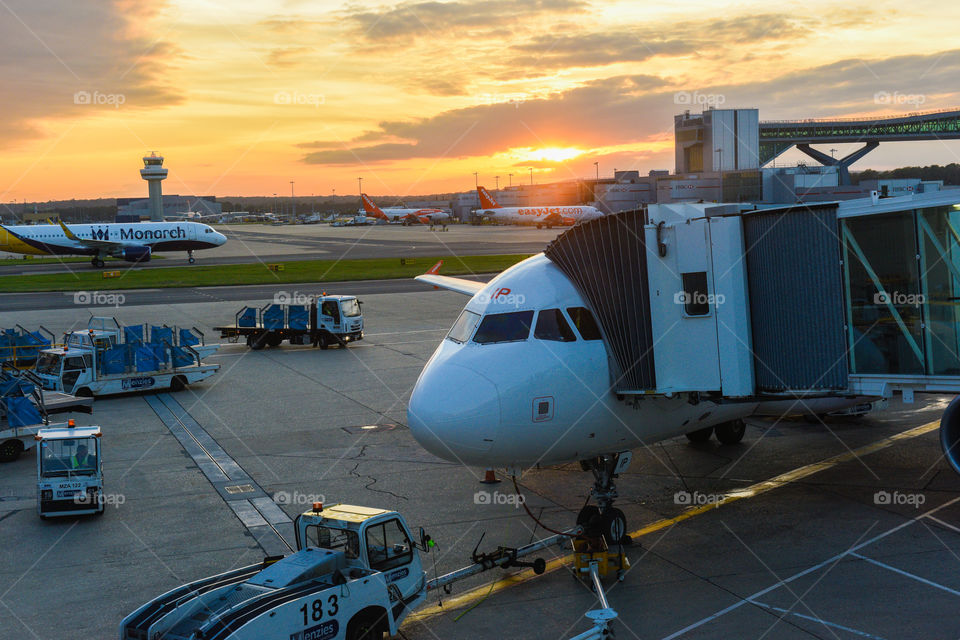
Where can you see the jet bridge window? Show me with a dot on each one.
(694, 297)
(464, 326)
(584, 322)
(551, 325)
(504, 327)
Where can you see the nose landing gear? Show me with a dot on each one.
(190, 256)
(97, 261)
(603, 518)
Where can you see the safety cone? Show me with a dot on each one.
(489, 477)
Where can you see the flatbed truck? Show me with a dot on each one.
(323, 321)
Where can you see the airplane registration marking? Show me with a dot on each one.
(752, 491)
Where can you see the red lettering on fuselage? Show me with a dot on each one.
(502, 291)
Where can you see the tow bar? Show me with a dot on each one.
(507, 557)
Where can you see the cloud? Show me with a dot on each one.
(408, 21)
(54, 54)
(627, 109)
(590, 49)
(287, 56)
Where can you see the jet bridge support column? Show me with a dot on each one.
(842, 163)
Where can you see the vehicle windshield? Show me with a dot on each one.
(48, 363)
(351, 308)
(464, 326)
(504, 327)
(74, 456)
(324, 537)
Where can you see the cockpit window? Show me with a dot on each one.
(584, 322)
(551, 325)
(504, 327)
(464, 326)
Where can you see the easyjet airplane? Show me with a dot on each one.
(547, 216)
(133, 242)
(406, 216)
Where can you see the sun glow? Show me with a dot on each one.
(548, 154)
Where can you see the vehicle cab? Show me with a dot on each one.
(65, 368)
(340, 315)
(369, 538)
(69, 471)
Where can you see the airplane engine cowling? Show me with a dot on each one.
(950, 434)
(136, 254)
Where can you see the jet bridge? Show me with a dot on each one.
(854, 298)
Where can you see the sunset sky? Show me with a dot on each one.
(242, 97)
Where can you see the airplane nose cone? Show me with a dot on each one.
(221, 239)
(454, 412)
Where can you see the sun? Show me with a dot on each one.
(549, 154)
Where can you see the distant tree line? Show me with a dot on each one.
(950, 174)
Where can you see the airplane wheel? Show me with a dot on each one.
(700, 435)
(191, 259)
(731, 432)
(614, 526)
(589, 519)
(539, 226)
(10, 450)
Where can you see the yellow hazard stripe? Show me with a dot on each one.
(468, 597)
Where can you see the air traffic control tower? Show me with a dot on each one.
(153, 172)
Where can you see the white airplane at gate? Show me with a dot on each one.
(133, 241)
(535, 373)
(546, 216)
(404, 215)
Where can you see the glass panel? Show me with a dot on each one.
(463, 327)
(351, 308)
(388, 546)
(695, 300)
(884, 294)
(552, 326)
(65, 457)
(504, 327)
(939, 229)
(584, 322)
(337, 539)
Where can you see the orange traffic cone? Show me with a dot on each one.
(489, 477)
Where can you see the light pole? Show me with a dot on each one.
(596, 165)
(476, 180)
(832, 151)
(497, 185)
(293, 204)
(720, 161)
(360, 186)
(531, 176)
(510, 175)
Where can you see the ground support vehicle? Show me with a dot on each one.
(322, 321)
(108, 358)
(356, 575)
(69, 471)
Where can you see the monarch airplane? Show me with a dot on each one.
(547, 216)
(133, 242)
(406, 216)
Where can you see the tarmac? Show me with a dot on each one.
(863, 544)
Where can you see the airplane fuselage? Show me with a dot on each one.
(523, 378)
(51, 239)
(546, 215)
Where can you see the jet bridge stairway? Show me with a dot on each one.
(855, 299)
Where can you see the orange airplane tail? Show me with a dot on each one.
(486, 200)
(371, 208)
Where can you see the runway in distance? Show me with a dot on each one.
(404, 215)
(133, 241)
(546, 216)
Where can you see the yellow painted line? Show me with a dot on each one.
(471, 596)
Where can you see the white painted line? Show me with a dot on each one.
(796, 576)
(862, 634)
(907, 574)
